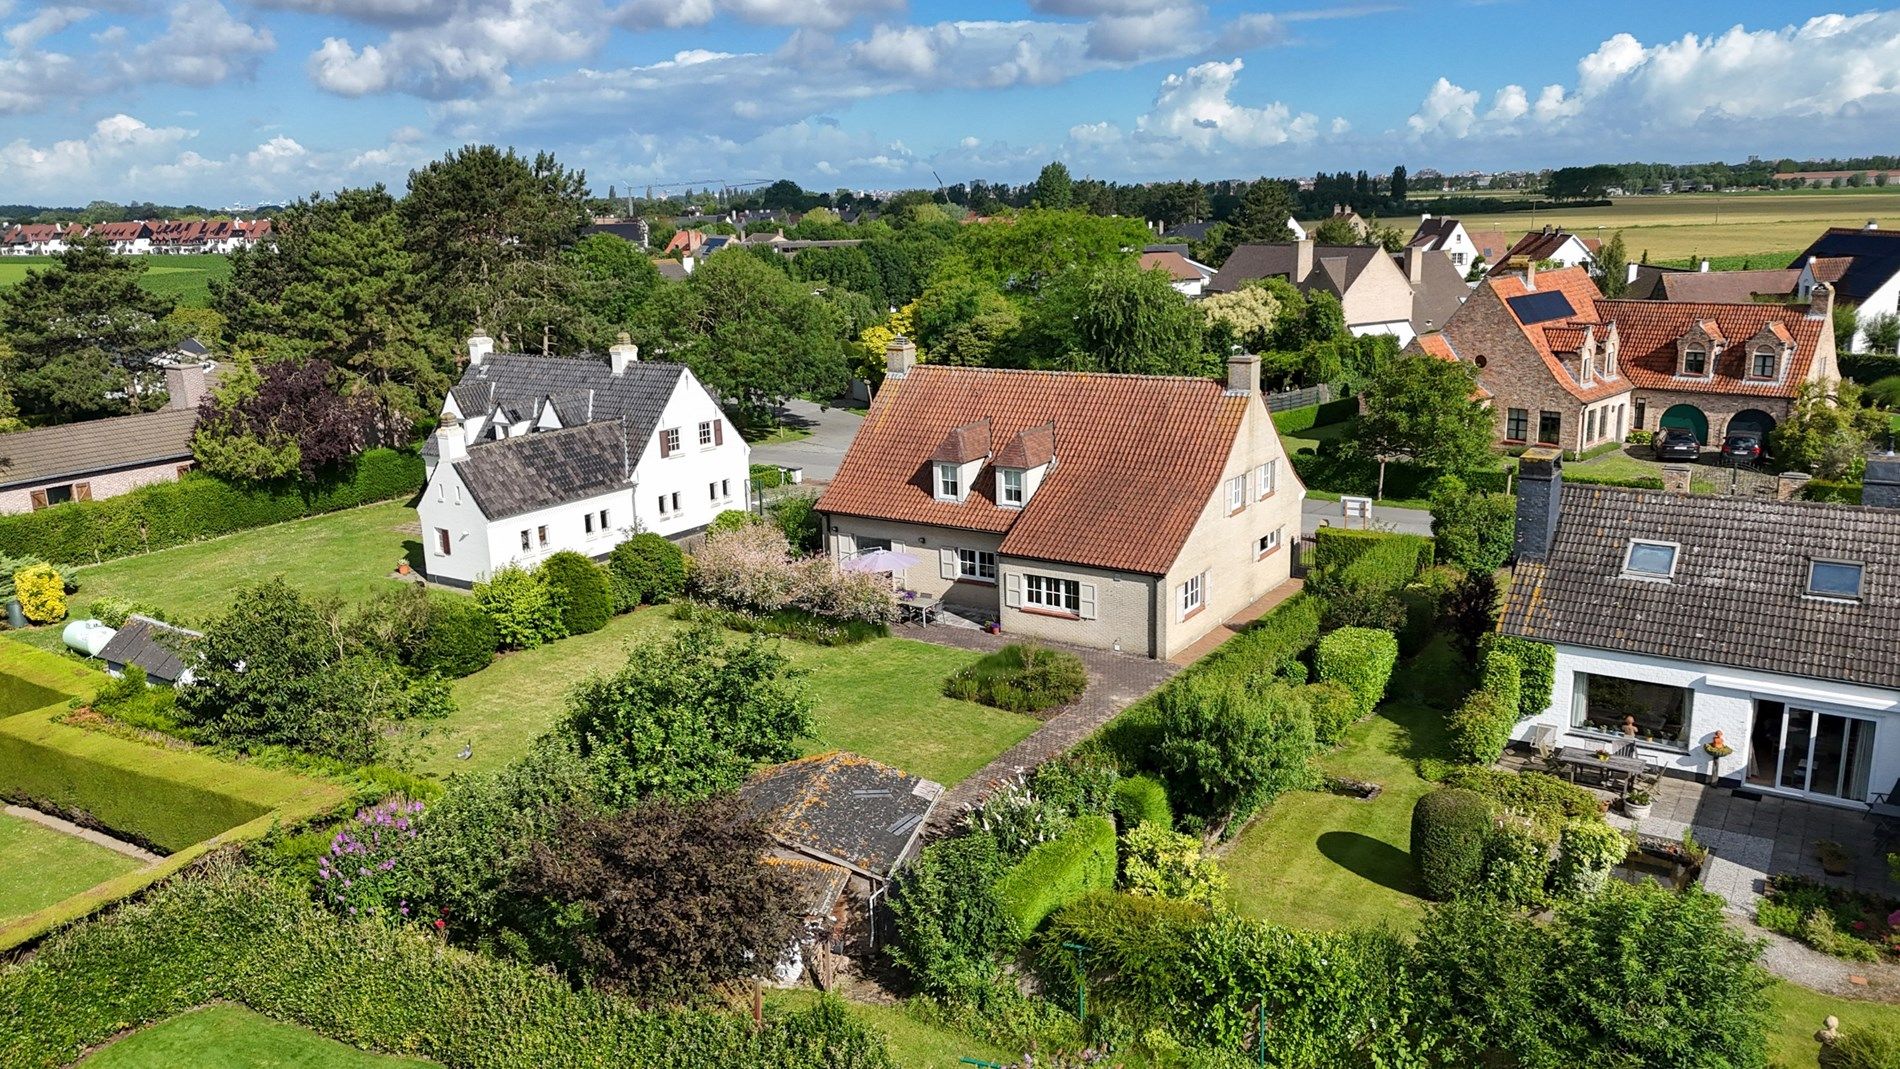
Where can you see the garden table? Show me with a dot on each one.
(1615, 766)
(920, 609)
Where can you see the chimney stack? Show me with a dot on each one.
(1243, 375)
(1414, 265)
(1530, 275)
(1821, 302)
(622, 353)
(1872, 224)
(1880, 486)
(899, 357)
(480, 345)
(687, 261)
(185, 385)
(1540, 484)
(450, 443)
(1302, 260)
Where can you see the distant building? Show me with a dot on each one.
(1862, 264)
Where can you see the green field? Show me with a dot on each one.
(914, 1044)
(882, 698)
(1799, 1013)
(1711, 224)
(232, 1037)
(184, 278)
(60, 865)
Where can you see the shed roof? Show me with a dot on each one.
(843, 808)
(75, 450)
(153, 645)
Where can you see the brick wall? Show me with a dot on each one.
(1484, 332)
(110, 484)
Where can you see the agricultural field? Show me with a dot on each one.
(1685, 225)
(185, 278)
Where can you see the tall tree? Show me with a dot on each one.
(85, 334)
(1116, 318)
(1054, 189)
(1613, 267)
(283, 419)
(1263, 213)
(1421, 408)
(1400, 184)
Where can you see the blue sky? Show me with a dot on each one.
(239, 101)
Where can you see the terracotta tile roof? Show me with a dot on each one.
(1713, 330)
(966, 443)
(1137, 459)
(1582, 294)
(1175, 264)
(1565, 339)
(1648, 331)
(1033, 448)
(1728, 287)
(1491, 244)
(1437, 345)
(1831, 268)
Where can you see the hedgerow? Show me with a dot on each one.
(1141, 800)
(579, 587)
(1057, 872)
(1481, 725)
(1537, 669)
(1360, 658)
(1449, 830)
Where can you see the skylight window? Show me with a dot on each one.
(1835, 579)
(1650, 560)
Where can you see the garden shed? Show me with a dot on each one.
(153, 645)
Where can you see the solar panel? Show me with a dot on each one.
(1541, 307)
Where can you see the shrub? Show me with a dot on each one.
(115, 611)
(1396, 559)
(1471, 529)
(1537, 669)
(1141, 800)
(458, 639)
(1864, 1048)
(751, 568)
(1268, 645)
(1470, 612)
(1481, 725)
(42, 593)
(1546, 801)
(789, 623)
(1586, 851)
(1167, 864)
(1516, 864)
(1449, 830)
(1225, 748)
(797, 517)
(1819, 931)
(646, 569)
(946, 918)
(1361, 660)
(1334, 709)
(522, 605)
(360, 874)
(1021, 677)
(579, 587)
(1058, 872)
(730, 520)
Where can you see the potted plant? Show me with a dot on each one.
(1834, 857)
(1636, 804)
(402, 567)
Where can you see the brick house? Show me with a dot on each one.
(102, 458)
(1128, 512)
(1566, 367)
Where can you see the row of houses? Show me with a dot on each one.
(138, 237)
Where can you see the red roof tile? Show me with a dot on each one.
(1649, 330)
(1582, 293)
(966, 443)
(1137, 458)
(1830, 268)
(1436, 344)
(1033, 448)
(1175, 264)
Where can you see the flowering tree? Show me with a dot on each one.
(360, 874)
(752, 568)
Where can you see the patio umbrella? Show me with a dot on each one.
(881, 560)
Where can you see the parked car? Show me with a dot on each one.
(1678, 444)
(1743, 448)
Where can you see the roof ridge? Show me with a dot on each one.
(1071, 374)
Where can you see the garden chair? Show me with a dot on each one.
(1884, 807)
(1543, 742)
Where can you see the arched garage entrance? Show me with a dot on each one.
(1689, 417)
(1752, 421)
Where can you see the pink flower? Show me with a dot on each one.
(440, 924)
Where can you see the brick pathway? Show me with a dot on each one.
(1213, 639)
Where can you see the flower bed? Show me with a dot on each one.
(1847, 924)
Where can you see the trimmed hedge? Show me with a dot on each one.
(1270, 643)
(1140, 800)
(1404, 480)
(459, 639)
(240, 937)
(1294, 420)
(1058, 872)
(1481, 725)
(1020, 677)
(647, 569)
(1361, 659)
(1630, 482)
(1546, 801)
(1449, 830)
(1828, 490)
(580, 589)
(1537, 669)
(197, 507)
(1336, 548)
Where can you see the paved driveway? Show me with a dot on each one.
(831, 432)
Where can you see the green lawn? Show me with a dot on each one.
(232, 1037)
(1800, 1012)
(914, 1044)
(46, 866)
(1318, 860)
(186, 279)
(882, 699)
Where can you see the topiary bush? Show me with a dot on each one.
(522, 606)
(1536, 665)
(1449, 830)
(1022, 677)
(42, 593)
(1361, 659)
(1586, 851)
(1480, 727)
(459, 639)
(1141, 800)
(1056, 873)
(647, 569)
(579, 587)
(1335, 708)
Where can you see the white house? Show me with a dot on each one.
(1863, 266)
(1686, 617)
(1548, 246)
(1447, 235)
(540, 454)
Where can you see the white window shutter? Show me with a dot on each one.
(1086, 600)
(947, 560)
(1013, 589)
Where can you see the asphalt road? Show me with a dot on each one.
(1315, 514)
(831, 432)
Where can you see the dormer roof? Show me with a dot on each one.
(964, 444)
(1711, 330)
(1031, 448)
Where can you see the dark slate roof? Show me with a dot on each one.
(75, 450)
(1874, 256)
(152, 645)
(544, 469)
(1433, 233)
(1190, 231)
(843, 808)
(1439, 293)
(1335, 267)
(1738, 596)
(522, 382)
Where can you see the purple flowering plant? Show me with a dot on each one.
(361, 875)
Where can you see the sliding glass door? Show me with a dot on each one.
(1810, 751)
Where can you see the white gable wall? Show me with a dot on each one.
(446, 505)
(478, 547)
(691, 470)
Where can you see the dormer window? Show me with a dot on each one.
(1655, 561)
(1009, 487)
(1587, 363)
(1695, 361)
(1766, 363)
(949, 483)
(1839, 579)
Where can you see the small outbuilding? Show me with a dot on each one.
(152, 645)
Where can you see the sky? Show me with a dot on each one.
(229, 103)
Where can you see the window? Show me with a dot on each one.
(669, 441)
(1048, 592)
(587, 524)
(442, 540)
(1236, 494)
(1193, 595)
(1009, 486)
(1835, 579)
(662, 504)
(1269, 542)
(1517, 425)
(949, 486)
(1642, 411)
(1695, 362)
(458, 493)
(725, 489)
(1650, 560)
(541, 534)
(603, 520)
(1267, 478)
(706, 435)
(1586, 369)
(1590, 427)
(712, 491)
(1765, 363)
(1550, 427)
(1605, 703)
(976, 564)
(525, 544)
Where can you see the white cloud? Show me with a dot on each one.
(1164, 33)
(114, 140)
(470, 51)
(1447, 107)
(1195, 110)
(202, 45)
(48, 21)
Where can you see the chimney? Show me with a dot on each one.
(1821, 302)
(1414, 265)
(1676, 478)
(1425, 218)
(1540, 484)
(686, 262)
(1872, 224)
(622, 353)
(1530, 274)
(480, 345)
(185, 385)
(1243, 375)
(1302, 260)
(899, 357)
(1880, 486)
(1790, 484)
(450, 443)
